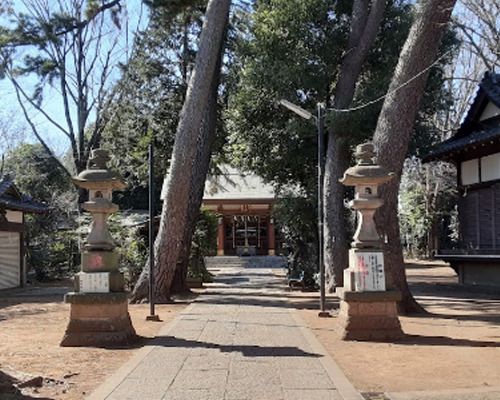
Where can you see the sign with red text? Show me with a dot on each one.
(369, 273)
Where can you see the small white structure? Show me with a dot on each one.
(13, 206)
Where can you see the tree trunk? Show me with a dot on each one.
(336, 241)
(365, 22)
(169, 242)
(395, 128)
(201, 165)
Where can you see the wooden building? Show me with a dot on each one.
(244, 204)
(475, 150)
(13, 207)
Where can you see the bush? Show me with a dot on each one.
(204, 243)
(297, 218)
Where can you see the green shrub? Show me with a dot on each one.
(204, 243)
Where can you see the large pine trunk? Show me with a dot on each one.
(201, 166)
(169, 241)
(395, 127)
(365, 21)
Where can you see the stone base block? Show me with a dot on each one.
(369, 316)
(98, 320)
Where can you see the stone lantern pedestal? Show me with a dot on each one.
(368, 308)
(99, 305)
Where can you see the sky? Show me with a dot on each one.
(11, 116)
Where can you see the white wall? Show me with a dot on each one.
(10, 260)
(469, 172)
(14, 216)
(490, 111)
(490, 167)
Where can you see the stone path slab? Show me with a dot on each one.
(238, 341)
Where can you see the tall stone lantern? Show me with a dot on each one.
(367, 308)
(99, 306)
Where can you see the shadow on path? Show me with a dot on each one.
(245, 350)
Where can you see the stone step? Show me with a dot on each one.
(246, 262)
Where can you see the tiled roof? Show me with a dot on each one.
(475, 138)
(232, 184)
(11, 199)
(5, 184)
(491, 85)
(473, 132)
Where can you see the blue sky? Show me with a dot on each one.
(11, 113)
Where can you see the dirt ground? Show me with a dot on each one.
(32, 323)
(455, 346)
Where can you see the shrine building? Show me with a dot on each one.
(244, 204)
(475, 151)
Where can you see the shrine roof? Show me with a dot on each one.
(473, 131)
(232, 184)
(12, 199)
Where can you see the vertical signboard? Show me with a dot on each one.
(368, 271)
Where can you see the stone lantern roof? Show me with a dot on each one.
(97, 175)
(366, 172)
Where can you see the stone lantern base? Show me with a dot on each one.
(98, 320)
(369, 316)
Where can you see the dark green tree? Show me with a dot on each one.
(295, 50)
(52, 243)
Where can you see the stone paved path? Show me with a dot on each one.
(238, 341)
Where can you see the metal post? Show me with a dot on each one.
(320, 121)
(152, 316)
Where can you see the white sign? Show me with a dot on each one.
(368, 271)
(94, 282)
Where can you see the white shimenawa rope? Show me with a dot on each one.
(346, 110)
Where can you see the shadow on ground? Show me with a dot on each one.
(9, 390)
(245, 350)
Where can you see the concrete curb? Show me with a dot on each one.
(342, 384)
(449, 394)
(112, 382)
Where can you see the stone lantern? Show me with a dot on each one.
(99, 305)
(367, 309)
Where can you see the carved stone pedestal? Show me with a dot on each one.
(98, 320)
(369, 316)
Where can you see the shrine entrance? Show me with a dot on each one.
(246, 235)
(244, 206)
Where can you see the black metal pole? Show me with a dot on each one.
(152, 316)
(320, 121)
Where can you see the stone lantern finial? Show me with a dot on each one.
(98, 159)
(365, 154)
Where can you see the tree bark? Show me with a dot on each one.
(201, 165)
(365, 22)
(169, 242)
(395, 128)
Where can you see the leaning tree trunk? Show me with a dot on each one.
(201, 165)
(365, 22)
(169, 241)
(395, 127)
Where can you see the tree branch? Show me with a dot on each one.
(37, 134)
